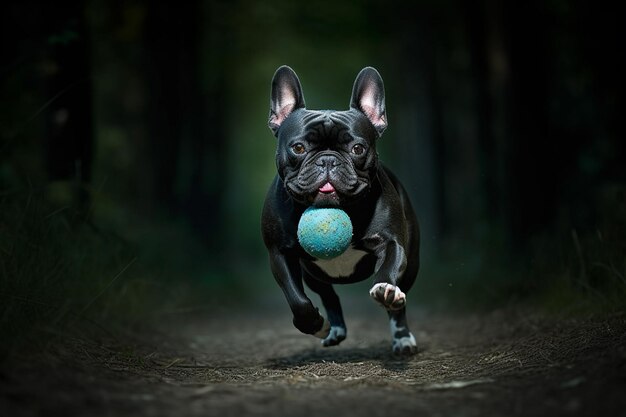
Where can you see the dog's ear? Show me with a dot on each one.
(286, 96)
(368, 96)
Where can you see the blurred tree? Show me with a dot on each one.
(68, 81)
(421, 145)
(532, 159)
(51, 57)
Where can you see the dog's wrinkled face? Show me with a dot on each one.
(327, 158)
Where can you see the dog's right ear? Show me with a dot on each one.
(286, 96)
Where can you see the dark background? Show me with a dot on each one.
(135, 153)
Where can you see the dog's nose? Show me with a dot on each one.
(327, 161)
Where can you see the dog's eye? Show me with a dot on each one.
(298, 148)
(358, 149)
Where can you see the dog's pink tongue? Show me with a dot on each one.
(327, 188)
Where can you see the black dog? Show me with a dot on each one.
(328, 159)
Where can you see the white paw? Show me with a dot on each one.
(388, 295)
(404, 345)
(337, 334)
(324, 331)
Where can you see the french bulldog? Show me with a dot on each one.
(328, 158)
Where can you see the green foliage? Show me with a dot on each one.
(63, 38)
(592, 277)
(58, 270)
(52, 267)
(580, 270)
(566, 271)
(470, 273)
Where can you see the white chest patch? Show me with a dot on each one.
(343, 265)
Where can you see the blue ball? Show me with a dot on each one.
(324, 233)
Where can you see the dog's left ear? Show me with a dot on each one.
(368, 96)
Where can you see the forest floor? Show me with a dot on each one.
(251, 361)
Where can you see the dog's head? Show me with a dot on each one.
(327, 158)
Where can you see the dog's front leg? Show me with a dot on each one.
(288, 274)
(389, 283)
(388, 276)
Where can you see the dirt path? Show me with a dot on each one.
(254, 363)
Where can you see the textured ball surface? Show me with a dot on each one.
(324, 233)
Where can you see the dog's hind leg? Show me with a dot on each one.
(403, 341)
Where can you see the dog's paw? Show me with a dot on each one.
(388, 295)
(324, 331)
(404, 346)
(336, 335)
